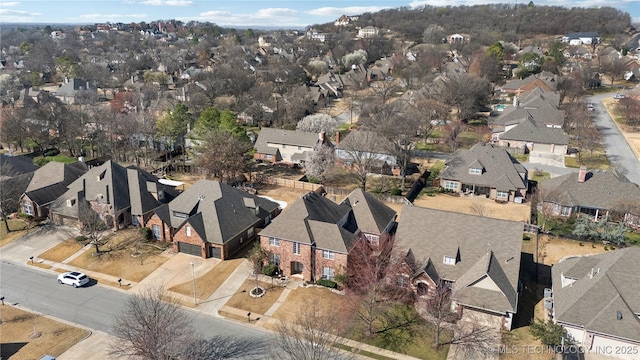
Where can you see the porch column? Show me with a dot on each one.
(596, 215)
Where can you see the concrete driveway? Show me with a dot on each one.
(37, 241)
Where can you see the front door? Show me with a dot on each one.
(296, 267)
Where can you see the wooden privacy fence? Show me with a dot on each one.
(293, 184)
(530, 228)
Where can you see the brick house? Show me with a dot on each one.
(47, 184)
(121, 196)
(211, 219)
(287, 146)
(312, 239)
(477, 258)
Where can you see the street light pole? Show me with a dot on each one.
(193, 277)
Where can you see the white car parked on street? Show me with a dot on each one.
(73, 278)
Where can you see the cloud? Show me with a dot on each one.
(10, 3)
(111, 17)
(167, 2)
(349, 10)
(262, 17)
(12, 16)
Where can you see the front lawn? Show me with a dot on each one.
(208, 283)
(117, 257)
(242, 300)
(62, 251)
(17, 228)
(596, 161)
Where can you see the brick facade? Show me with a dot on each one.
(338, 264)
(193, 239)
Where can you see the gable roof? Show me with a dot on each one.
(499, 169)
(601, 189)
(11, 166)
(316, 220)
(51, 181)
(530, 131)
(543, 113)
(70, 88)
(217, 212)
(604, 284)
(484, 248)
(279, 136)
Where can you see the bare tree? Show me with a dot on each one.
(479, 207)
(362, 152)
(313, 332)
(630, 109)
(92, 226)
(224, 155)
(151, 326)
(437, 305)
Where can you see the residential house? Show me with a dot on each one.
(287, 146)
(69, 90)
(121, 196)
(212, 220)
(47, 184)
(478, 258)
(15, 174)
(313, 34)
(331, 83)
(545, 80)
(595, 193)
(485, 170)
(581, 38)
(345, 20)
(368, 32)
(595, 298)
(459, 39)
(367, 148)
(544, 144)
(312, 239)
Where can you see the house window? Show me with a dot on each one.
(372, 239)
(267, 220)
(296, 248)
(188, 230)
(180, 215)
(451, 185)
(328, 273)
(299, 147)
(475, 171)
(274, 259)
(449, 260)
(284, 146)
(268, 157)
(28, 209)
(274, 241)
(326, 254)
(71, 202)
(134, 220)
(402, 280)
(566, 211)
(502, 195)
(448, 284)
(250, 232)
(155, 229)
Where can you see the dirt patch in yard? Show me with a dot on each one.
(18, 339)
(477, 205)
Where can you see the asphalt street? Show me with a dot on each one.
(96, 306)
(617, 148)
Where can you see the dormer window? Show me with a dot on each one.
(449, 260)
(71, 202)
(180, 215)
(475, 171)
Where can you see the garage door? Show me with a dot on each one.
(215, 252)
(189, 249)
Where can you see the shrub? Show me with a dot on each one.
(396, 192)
(581, 243)
(526, 237)
(25, 216)
(269, 270)
(327, 283)
(81, 238)
(146, 233)
(606, 248)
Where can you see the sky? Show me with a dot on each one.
(239, 13)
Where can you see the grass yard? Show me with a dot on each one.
(40, 160)
(475, 205)
(119, 262)
(208, 283)
(299, 298)
(539, 176)
(598, 160)
(242, 300)
(17, 330)
(17, 228)
(62, 251)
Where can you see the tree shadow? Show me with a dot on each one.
(7, 350)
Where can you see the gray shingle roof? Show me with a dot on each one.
(488, 253)
(500, 170)
(314, 219)
(11, 166)
(530, 131)
(542, 115)
(51, 181)
(601, 190)
(216, 211)
(606, 283)
(280, 136)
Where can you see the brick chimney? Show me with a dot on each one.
(337, 137)
(582, 174)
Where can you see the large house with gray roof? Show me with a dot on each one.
(47, 184)
(478, 258)
(597, 300)
(594, 193)
(287, 146)
(121, 196)
(313, 237)
(212, 220)
(485, 170)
